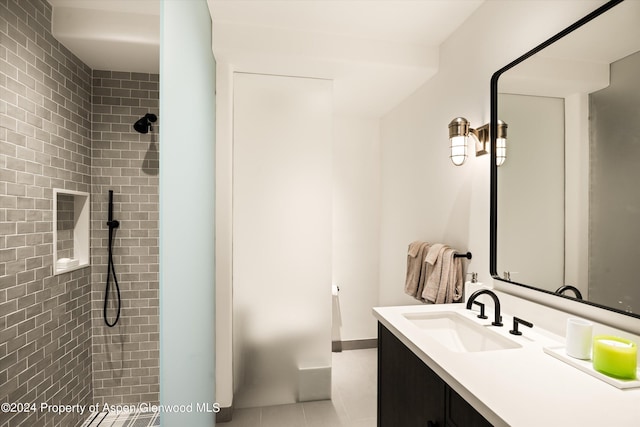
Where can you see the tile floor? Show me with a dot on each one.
(354, 391)
(353, 404)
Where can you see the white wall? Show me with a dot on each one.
(423, 195)
(224, 237)
(356, 222)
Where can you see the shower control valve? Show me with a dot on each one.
(113, 224)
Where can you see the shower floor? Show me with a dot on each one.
(130, 419)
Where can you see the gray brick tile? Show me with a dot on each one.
(52, 101)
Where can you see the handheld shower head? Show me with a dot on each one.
(144, 124)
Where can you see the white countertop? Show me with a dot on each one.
(517, 387)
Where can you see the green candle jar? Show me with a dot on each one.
(615, 356)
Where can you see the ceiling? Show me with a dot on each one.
(377, 52)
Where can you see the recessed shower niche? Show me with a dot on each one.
(70, 230)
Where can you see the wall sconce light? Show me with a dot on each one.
(501, 143)
(459, 131)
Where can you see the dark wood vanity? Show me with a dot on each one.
(410, 394)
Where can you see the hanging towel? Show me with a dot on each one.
(434, 253)
(450, 289)
(456, 283)
(444, 281)
(434, 259)
(424, 272)
(416, 269)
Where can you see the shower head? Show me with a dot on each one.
(144, 124)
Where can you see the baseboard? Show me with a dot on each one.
(225, 415)
(338, 346)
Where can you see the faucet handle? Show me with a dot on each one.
(481, 305)
(516, 321)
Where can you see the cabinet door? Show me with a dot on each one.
(461, 414)
(410, 394)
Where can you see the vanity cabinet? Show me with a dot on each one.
(410, 394)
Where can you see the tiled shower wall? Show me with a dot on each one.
(64, 126)
(45, 320)
(125, 357)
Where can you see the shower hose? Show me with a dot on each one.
(111, 270)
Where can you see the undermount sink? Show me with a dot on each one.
(459, 334)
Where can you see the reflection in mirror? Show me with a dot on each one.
(531, 189)
(568, 203)
(614, 203)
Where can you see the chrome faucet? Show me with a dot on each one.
(575, 290)
(497, 319)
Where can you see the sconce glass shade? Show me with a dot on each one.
(458, 150)
(458, 132)
(501, 143)
(501, 151)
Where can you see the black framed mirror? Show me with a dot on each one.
(565, 205)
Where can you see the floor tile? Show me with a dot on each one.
(322, 414)
(365, 422)
(249, 417)
(283, 416)
(356, 383)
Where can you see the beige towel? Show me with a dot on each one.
(456, 283)
(424, 273)
(448, 280)
(444, 281)
(414, 248)
(435, 259)
(434, 253)
(416, 269)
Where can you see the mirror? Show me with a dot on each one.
(565, 206)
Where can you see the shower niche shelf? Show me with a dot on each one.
(70, 230)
